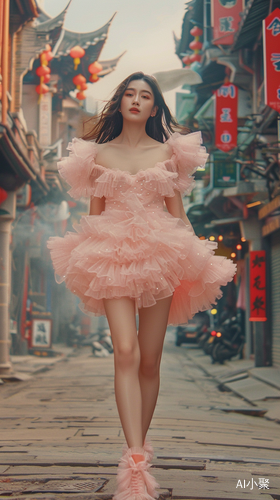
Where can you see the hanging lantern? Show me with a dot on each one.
(95, 68)
(81, 96)
(46, 79)
(3, 195)
(42, 89)
(94, 78)
(195, 58)
(83, 86)
(42, 71)
(196, 31)
(48, 55)
(77, 53)
(186, 60)
(196, 45)
(78, 80)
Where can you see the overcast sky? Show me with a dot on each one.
(142, 28)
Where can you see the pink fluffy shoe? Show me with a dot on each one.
(134, 480)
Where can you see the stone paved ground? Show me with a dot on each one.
(60, 436)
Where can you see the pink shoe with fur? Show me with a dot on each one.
(134, 480)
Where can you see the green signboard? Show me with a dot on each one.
(225, 171)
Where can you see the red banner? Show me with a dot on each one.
(257, 286)
(226, 117)
(271, 56)
(225, 20)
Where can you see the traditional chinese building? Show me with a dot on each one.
(33, 136)
(238, 202)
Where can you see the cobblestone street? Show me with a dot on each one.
(61, 437)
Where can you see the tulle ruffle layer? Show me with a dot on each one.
(147, 257)
(87, 178)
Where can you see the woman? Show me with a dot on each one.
(130, 255)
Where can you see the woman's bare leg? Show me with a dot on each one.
(152, 328)
(121, 318)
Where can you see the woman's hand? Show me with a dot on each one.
(97, 205)
(175, 207)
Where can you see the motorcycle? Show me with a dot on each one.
(229, 343)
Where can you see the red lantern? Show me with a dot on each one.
(195, 58)
(46, 78)
(3, 195)
(186, 60)
(48, 55)
(195, 45)
(196, 31)
(42, 89)
(78, 80)
(77, 53)
(94, 78)
(83, 86)
(42, 71)
(95, 68)
(81, 96)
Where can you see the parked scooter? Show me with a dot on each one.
(230, 341)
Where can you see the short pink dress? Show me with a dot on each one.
(136, 248)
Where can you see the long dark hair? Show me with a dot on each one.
(108, 124)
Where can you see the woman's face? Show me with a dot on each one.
(137, 104)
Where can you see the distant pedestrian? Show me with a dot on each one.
(131, 256)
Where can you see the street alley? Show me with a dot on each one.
(61, 437)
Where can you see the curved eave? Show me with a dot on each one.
(111, 63)
(51, 24)
(72, 38)
(43, 16)
(17, 160)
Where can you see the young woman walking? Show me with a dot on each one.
(136, 252)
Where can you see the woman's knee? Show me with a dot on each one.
(149, 366)
(127, 355)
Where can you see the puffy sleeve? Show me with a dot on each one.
(79, 169)
(188, 155)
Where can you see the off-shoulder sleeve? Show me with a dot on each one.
(79, 168)
(188, 155)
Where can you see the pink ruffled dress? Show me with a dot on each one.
(135, 247)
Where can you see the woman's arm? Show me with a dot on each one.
(97, 205)
(175, 207)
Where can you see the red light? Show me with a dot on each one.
(220, 237)
(219, 334)
(233, 255)
(239, 247)
(213, 333)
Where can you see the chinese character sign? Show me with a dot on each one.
(257, 286)
(271, 56)
(225, 20)
(226, 98)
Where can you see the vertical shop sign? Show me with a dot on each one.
(226, 16)
(226, 98)
(257, 286)
(271, 56)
